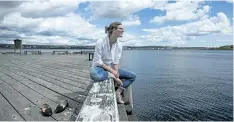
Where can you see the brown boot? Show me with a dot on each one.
(119, 96)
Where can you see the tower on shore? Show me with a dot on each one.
(18, 45)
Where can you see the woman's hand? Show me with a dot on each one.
(118, 81)
(115, 73)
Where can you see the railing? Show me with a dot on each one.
(32, 52)
(62, 52)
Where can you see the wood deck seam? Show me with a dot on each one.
(83, 83)
(47, 89)
(37, 75)
(42, 79)
(24, 96)
(12, 106)
(78, 66)
(48, 71)
(50, 89)
(61, 63)
(28, 87)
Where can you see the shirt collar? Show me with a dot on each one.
(108, 41)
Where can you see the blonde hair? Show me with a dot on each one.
(112, 26)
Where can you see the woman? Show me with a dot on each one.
(106, 60)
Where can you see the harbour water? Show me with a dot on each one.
(181, 84)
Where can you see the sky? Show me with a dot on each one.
(184, 23)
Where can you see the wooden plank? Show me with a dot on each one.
(66, 60)
(130, 113)
(8, 53)
(100, 105)
(32, 52)
(64, 76)
(81, 88)
(63, 52)
(51, 63)
(81, 65)
(49, 78)
(28, 60)
(132, 117)
(74, 103)
(61, 60)
(128, 109)
(35, 97)
(51, 71)
(73, 62)
(122, 113)
(72, 94)
(55, 72)
(7, 112)
(79, 52)
(127, 96)
(28, 110)
(47, 85)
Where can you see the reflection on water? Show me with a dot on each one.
(181, 84)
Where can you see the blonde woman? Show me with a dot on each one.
(106, 60)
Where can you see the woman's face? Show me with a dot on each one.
(119, 31)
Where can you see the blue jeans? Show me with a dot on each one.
(100, 74)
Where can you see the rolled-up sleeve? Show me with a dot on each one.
(118, 54)
(98, 54)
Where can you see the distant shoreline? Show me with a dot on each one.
(93, 49)
(11, 46)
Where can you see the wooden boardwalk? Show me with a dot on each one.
(28, 81)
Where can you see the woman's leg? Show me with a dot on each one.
(127, 76)
(98, 74)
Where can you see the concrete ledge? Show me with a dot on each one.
(100, 104)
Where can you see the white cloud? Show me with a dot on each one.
(182, 11)
(127, 37)
(54, 22)
(68, 23)
(229, 1)
(122, 8)
(39, 8)
(135, 43)
(48, 8)
(51, 40)
(180, 34)
(66, 28)
(15, 20)
(223, 40)
(132, 21)
(7, 7)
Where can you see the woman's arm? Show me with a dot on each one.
(116, 67)
(117, 58)
(98, 58)
(108, 68)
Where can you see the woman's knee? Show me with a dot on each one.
(127, 74)
(133, 76)
(97, 75)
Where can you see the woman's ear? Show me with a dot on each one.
(114, 29)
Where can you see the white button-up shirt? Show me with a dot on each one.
(104, 54)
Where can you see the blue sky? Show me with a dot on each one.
(146, 22)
